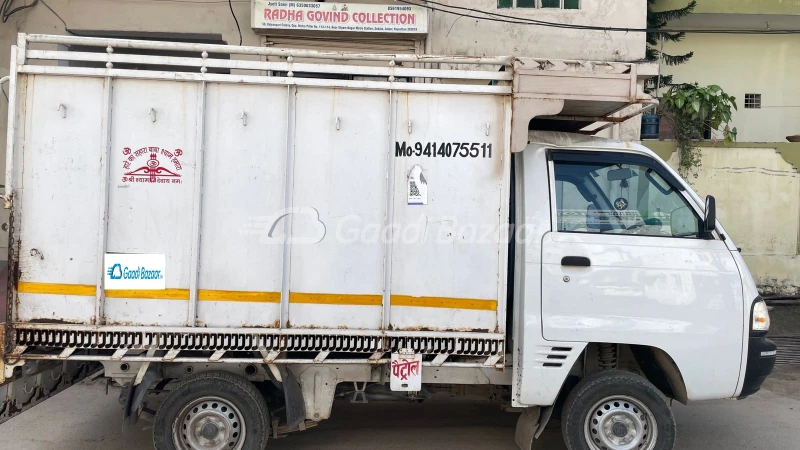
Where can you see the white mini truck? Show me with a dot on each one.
(236, 242)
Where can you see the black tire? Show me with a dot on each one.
(603, 388)
(238, 392)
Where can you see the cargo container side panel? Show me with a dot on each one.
(445, 265)
(151, 176)
(243, 196)
(59, 199)
(340, 182)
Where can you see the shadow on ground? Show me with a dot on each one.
(435, 424)
(84, 418)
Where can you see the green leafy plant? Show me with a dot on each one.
(692, 110)
(658, 20)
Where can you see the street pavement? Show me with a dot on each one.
(83, 417)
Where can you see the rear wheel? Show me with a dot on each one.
(615, 410)
(212, 411)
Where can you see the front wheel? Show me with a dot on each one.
(615, 410)
(212, 411)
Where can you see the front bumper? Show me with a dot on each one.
(761, 356)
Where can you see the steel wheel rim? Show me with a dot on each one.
(620, 423)
(209, 423)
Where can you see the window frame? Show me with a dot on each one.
(539, 6)
(752, 101)
(614, 156)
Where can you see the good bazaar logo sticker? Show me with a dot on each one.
(135, 271)
(147, 165)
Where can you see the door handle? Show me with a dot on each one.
(579, 261)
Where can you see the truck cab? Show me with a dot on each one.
(624, 247)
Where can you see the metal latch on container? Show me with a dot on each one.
(406, 371)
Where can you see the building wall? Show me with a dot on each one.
(758, 203)
(756, 182)
(464, 35)
(740, 64)
(743, 64)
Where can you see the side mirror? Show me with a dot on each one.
(710, 216)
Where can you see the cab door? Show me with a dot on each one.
(627, 262)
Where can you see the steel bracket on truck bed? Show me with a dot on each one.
(202, 345)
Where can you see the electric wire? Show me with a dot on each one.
(497, 17)
(452, 9)
(66, 28)
(230, 5)
(197, 2)
(6, 13)
(6, 5)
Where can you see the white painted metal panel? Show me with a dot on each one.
(151, 176)
(59, 197)
(326, 148)
(447, 258)
(243, 193)
(340, 174)
(683, 296)
(536, 380)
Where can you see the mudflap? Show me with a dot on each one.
(295, 406)
(526, 427)
(530, 425)
(132, 396)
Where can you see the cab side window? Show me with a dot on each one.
(618, 198)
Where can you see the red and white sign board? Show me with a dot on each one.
(356, 17)
(406, 372)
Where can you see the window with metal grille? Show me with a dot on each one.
(752, 101)
(543, 4)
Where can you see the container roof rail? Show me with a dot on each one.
(473, 74)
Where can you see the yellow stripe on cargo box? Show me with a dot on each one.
(444, 302)
(29, 287)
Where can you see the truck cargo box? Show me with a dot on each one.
(261, 202)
